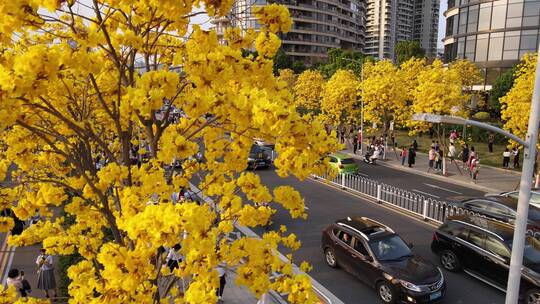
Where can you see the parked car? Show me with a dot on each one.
(535, 196)
(258, 158)
(481, 247)
(343, 163)
(379, 257)
(264, 143)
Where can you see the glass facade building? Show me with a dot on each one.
(493, 34)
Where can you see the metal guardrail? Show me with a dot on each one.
(427, 208)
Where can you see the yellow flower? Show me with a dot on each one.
(274, 17)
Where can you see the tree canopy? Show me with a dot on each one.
(408, 49)
(500, 87)
(104, 108)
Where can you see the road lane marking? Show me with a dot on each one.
(422, 192)
(442, 188)
(306, 208)
(362, 174)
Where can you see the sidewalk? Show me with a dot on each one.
(24, 259)
(490, 179)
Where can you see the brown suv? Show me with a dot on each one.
(378, 256)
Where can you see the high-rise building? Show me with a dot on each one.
(391, 21)
(492, 34)
(388, 21)
(318, 25)
(426, 25)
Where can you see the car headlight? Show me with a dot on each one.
(442, 276)
(409, 286)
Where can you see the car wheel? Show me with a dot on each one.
(450, 261)
(330, 257)
(532, 296)
(386, 293)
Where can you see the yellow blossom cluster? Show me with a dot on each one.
(106, 115)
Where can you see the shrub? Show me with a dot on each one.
(482, 116)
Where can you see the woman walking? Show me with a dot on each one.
(411, 156)
(46, 279)
(506, 158)
(516, 158)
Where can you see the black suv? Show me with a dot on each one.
(482, 248)
(378, 256)
(258, 158)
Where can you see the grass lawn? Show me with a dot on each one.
(424, 142)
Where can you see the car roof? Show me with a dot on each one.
(340, 155)
(503, 230)
(503, 200)
(368, 228)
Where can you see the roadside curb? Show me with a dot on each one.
(434, 176)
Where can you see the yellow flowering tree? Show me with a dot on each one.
(339, 103)
(468, 73)
(288, 77)
(308, 90)
(439, 91)
(99, 98)
(383, 93)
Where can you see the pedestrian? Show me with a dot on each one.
(222, 281)
(439, 159)
(491, 139)
(415, 145)
(342, 134)
(515, 152)
(431, 155)
(411, 156)
(359, 139)
(174, 257)
(437, 146)
(506, 158)
(355, 142)
(453, 136)
(464, 154)
(393, 139)
(474, 167)
(451, 152)
(46, 279)
(403, 155)
(472, 155)
(16, 279)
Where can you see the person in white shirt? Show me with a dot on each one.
(506, 158)
(222, 273)
(451, 152)
(46, 279)
(174, 257)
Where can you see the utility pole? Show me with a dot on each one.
(529, 158)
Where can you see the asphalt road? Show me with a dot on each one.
(416, 183)
(326, 204)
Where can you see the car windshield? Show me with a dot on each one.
(390, 248)
(347, 161)
(531, 252)
(256, 149)
(535, 196)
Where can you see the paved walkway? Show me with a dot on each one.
(489, 179)
(24, 259)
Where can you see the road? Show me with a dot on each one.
(326, 204)
(414, 182)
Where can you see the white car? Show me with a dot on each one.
(263, 143)
(535, 196)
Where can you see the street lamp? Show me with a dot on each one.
(518, 243)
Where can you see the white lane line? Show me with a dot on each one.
(306, 208)
(442, 188)
(415, 190)
(362, 174)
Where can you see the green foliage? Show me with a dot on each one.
(482, 116)
(406, 50)
(500, 87)
(282, 61)
(339, 59)
(298, 67)
(64, 262)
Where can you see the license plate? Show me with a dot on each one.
(435, 295)
(262, 164)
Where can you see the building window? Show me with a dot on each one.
(495, 46)
(472, 22)
(482, 47)
(499, 14)
(511, 45)
(485, 16)
(462, 21)
(460, 48)
(470, 47)
(513, 16)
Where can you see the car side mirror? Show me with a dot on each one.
(411, 245)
